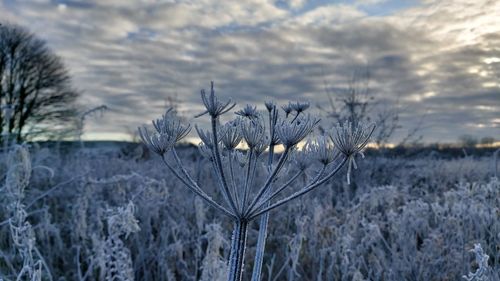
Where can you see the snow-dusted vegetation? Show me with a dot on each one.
(75, 213)
(369, 149)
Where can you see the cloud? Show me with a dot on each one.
(438, 57)
(327, 15)
(369, 2)
(293, 4)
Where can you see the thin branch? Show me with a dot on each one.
(183, 170)
(218, 161)
(235, 191)
(270, 179)
(247, 179)
(275, 193)
(198, 191)
(304, 190)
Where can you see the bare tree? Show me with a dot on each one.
(35, 91)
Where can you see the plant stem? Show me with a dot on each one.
(237, 256)
(261, 246)
(299, 193)
(270, 179)
(247, 179)
(218, 163)
(264, 220)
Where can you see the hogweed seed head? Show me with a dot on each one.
(214, 107)
(291, 133)
(270, 105)
(287, 109)
(159, 128)
(261, 146)
(299, 107)
(205, 136)
(169, 131)
(273, 120)
(350, 139)
(253, 132)
(322, 150)
(170, 125)
(232, 134)
(157, 142)
(248, 111)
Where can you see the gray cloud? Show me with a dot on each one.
(436, 58)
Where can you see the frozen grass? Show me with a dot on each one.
(399, 219)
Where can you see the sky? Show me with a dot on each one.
(436, 62)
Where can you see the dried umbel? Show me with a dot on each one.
(232, 134)
(291, 132)
(322, 150)
(169, 131)
(253, 132)
(299, 107)
(248, 111)
(214, 107)
(247, 191)
(270, 105)
(287, 109)
(205, 136)
(351, 139)
(157, 142)
(171, 126)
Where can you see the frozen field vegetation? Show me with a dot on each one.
(263, 197)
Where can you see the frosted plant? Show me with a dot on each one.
(248, 111)
(481, 273)
(246, 196)
(200, 214)
(350, 139)
(81, 121)
(122, 221)
(22, 233)
(287, 109)
(214, 267)
(115, 259)
(24, 240)
(295, 246)
(415, 218)
(299, 107)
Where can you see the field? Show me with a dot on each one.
(256, 140)
(116, 213)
